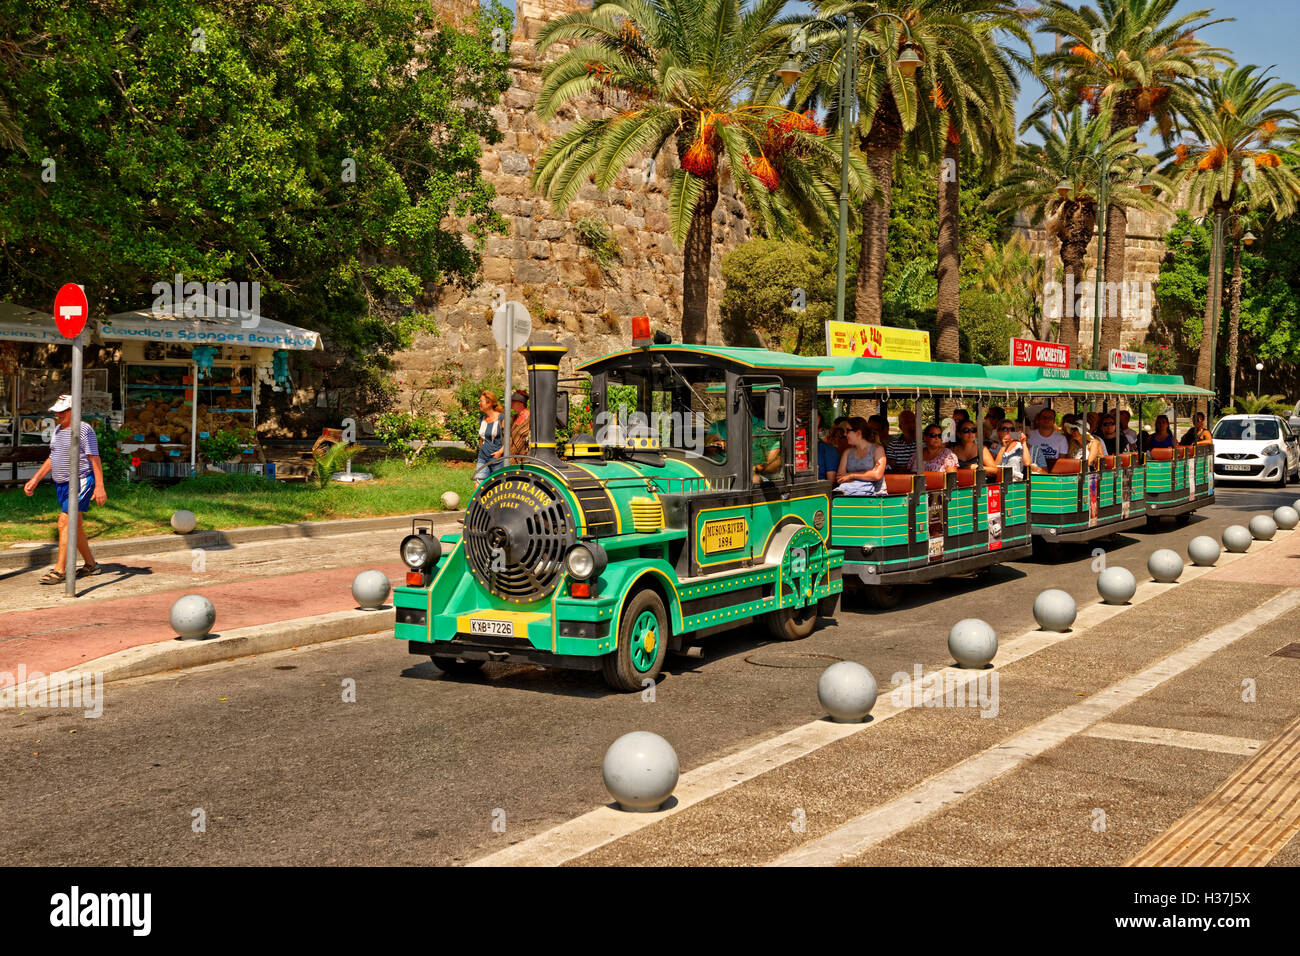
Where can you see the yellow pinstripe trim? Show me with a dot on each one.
(544, 444)
(434, 583)
(772, 532)
(613, 501)
(544, 368)
(618, 614)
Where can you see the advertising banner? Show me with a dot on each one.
(995, 517)
(1121, 361)
(936, 525)
(876, 341)
(1039, 354)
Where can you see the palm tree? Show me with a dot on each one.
(1032, 183)
(969, 107)
(1015, 274)
(1252, 404)
(702, 73)
(1237, 120)
(1139, 59)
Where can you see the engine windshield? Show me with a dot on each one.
(667, 408)
(1246, 429)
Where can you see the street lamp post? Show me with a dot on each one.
(907, 63)
(1259, 378)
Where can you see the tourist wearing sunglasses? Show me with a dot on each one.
(935, 455)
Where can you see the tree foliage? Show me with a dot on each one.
(220, 140)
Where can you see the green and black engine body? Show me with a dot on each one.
(608, 561)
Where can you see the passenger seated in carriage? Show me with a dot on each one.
(862, 466)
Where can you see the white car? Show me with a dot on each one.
(1256, 448)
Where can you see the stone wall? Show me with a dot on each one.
(1144, 249)
(541, 261)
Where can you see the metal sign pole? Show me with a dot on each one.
(194, 417)
(74, 472)
(510, 348)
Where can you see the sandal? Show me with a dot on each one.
(86, 570)
(54, 576)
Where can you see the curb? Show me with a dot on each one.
(39, 555)
(149, 659)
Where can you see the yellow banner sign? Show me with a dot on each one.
(876, 341)
(728, 535)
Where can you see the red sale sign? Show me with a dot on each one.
(70, 310)
(1042, 354)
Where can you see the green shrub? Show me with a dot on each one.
(408, 435)
(224, 445)
(114, 462)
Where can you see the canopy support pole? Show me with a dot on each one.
(194, 418)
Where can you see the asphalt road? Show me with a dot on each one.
(278, 767)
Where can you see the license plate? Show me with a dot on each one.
(1236, 467)
(478, 625)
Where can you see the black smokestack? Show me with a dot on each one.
(543, 359)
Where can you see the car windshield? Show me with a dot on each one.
(1246, 429)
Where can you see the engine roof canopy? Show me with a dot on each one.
(737, 359)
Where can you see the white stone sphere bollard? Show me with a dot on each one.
(1296, 505)
(370, 589)
(1116, 585)
(972, 643)
(1203, 550)
(640, 771)
(192, 616)
(1055, 610)
(1262, 528)
(1286, 517)
(1166, 566)
(1237, 538)
(848, 691)
(183, 522)
(450, 500)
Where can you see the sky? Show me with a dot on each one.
(1264, 32)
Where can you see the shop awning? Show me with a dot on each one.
(210, 327)
(21, 324)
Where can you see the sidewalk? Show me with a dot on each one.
(1105, 745)
(269, 582)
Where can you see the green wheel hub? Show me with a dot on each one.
(645, 641)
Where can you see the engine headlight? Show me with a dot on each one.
(585, 561)
(1271, 450)
(420, 551)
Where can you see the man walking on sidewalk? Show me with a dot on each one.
(92, 486)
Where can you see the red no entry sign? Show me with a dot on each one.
(71, 310)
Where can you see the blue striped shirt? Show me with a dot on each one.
(60, 450)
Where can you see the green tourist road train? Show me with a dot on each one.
(696, 505)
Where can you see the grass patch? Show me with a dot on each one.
(238, 501)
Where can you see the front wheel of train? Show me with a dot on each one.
(642, 643)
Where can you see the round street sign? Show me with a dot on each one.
(71, 310)
(523, 323)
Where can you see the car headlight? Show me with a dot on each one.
(420, 552)
(1271, 450)
(586, 560)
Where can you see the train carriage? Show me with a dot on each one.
(926, 525)
(1073, 503)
